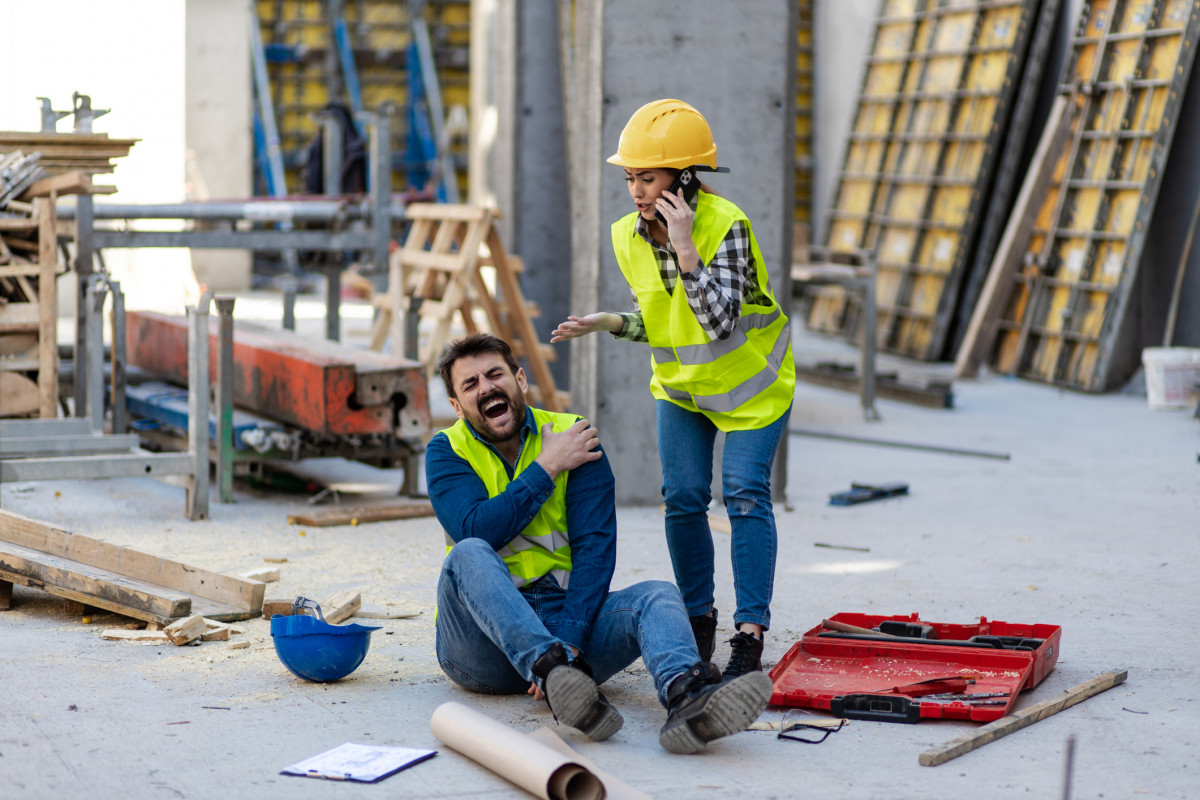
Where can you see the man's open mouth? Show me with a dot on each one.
(494, 407)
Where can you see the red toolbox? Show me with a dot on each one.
(922, 670)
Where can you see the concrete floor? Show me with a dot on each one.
(1091, 524)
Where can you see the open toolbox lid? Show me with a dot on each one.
(928, 670)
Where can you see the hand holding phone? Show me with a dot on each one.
(688, 181)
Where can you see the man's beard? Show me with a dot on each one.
(483, 425)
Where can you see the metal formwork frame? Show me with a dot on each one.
(932, 117)
(1126, 75)
(76, 448)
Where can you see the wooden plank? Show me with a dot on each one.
(263, 574)
(341, 606)
(1020, 719)
(450, 211)
(354, 515)
(117, 634)
(88, 585)
(74, 182)
(6, 595)
(125, 561)
(47, 217)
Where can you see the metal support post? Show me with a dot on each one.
(404, 324)
(120, 414)
(867, 368)
(97, 289)
(198, 409)
(225, 448)
(84, 254)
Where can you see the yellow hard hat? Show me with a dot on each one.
(666, 134)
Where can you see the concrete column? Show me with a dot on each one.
(735, 63)
(218, 127)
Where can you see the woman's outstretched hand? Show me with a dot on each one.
(575, 327)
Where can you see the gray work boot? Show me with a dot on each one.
(701, 707)
(573, 696)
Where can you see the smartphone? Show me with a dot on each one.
(689, 182)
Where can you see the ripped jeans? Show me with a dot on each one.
(685, 447)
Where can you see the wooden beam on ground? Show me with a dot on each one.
(354, 515)
(118, 579)
(1020, 719)
(243, 598)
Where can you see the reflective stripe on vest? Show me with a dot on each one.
(544, 545)
(741, 382)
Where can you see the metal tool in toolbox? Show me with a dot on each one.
(904, 669)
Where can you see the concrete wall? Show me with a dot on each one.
(732, 62)
(218, 123)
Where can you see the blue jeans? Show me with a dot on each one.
(489, 632)
(685, 447)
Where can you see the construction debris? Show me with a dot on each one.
(341, 606)
(354, 515)
(186, 630)
(263, 574)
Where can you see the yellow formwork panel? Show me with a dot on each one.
(1127, 72)
(934, 97)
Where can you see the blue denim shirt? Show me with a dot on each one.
(464, 509)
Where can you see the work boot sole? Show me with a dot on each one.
(731, 708)
(576, 702)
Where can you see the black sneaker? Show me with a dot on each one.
(573, 696)
(701, 707)
(704, 628)
(746, 656)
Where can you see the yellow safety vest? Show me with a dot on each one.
(544, 545)
(743, 382)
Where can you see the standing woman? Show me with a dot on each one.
(720, 349)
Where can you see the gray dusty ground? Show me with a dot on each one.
(1093, 524)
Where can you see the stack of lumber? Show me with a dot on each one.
(66, 152)
(29, 268)
(17, 173)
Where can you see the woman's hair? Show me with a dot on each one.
(473, 345)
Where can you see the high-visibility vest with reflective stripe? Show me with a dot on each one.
(543, 546)
(743, 382)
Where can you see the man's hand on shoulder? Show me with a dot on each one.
(564, 451)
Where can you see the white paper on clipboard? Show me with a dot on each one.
(365, 763)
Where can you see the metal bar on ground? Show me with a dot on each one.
(906, 445)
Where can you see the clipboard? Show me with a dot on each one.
(362, 763)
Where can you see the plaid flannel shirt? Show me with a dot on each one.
(714, 291)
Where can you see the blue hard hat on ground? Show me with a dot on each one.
(315, 650)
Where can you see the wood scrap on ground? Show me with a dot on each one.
(354, 515)
(341, 606)
(186, 630)
(1020, 719)
(262, 574)
(134, 636)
